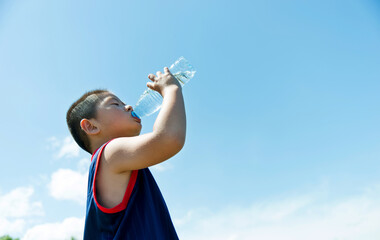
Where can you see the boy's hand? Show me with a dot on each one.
(167, 138)
(162, 81)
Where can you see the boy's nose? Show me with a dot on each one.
(128, 107)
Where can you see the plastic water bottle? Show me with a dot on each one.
(150, 101)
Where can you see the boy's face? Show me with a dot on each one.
(114, 118)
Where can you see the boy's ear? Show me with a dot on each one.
(89, 127)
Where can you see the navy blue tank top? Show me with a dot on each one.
(142, 214)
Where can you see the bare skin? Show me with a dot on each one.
(130, 151)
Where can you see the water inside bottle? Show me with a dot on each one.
(150, 101)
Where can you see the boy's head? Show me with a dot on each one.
(99, 116)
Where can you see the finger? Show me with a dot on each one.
(152, 77)
(158, 73)
(150, 85)
(166, 69)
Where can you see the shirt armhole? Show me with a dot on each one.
(128, 192)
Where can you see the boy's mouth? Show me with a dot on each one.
(136, 117)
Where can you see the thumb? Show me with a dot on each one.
(150, 85)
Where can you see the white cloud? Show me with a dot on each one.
(69, 148)
(69, 227)
(302, 217)
(84, 164)
(17, 204)
(65, 148)
(53, 143)
(11, 227)
(67, 184)
(16, 208)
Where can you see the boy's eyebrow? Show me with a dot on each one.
(114, 98)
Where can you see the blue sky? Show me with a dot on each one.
(283, 120)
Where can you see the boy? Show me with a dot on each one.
(123, 199)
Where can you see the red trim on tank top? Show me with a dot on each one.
(132, 180)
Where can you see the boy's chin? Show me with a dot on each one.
(136, 133)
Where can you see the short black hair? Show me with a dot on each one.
(84, 107)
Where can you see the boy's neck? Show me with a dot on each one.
(97, 143)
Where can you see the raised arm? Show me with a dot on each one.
(167, 138)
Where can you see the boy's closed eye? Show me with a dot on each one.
(117, 103)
